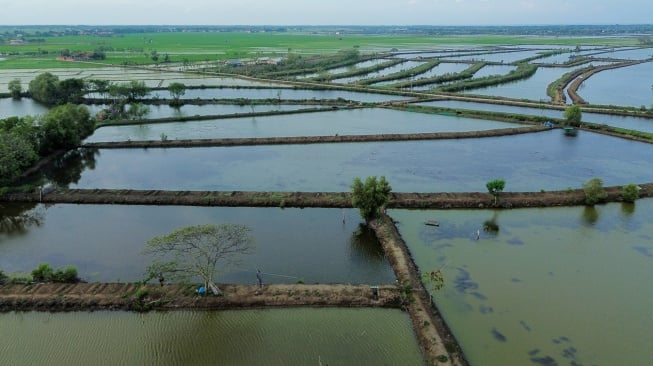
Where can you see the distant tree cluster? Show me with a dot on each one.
(48, 89)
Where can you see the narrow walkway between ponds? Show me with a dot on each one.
(132, 296)
(450, 200)
(313, 139)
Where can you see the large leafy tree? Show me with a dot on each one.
(15, 88)
(44, 88)
(177, 90)
(47, 89)
(16, 153)
(65, 127)
(195, 251)
(371, 196)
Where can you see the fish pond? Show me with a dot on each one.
(343, 122)
(554, 286)
(546, 160)
(20, 108)
(627, 122)
(104, 241)
(533, 88)
(236, 337)
(280, 93)
(626, 86)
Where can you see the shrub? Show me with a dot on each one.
(67, 274)
(594, 191)
(43, 273)
(3, 277)
(630, 193)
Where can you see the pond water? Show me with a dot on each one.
(633, 54)
(104, 241)
(628, 122)
(283, 93)
(165, 111)
(503, 57)
(20, 108)
(546, 160)
(235, 337)
(343, 122)
(533, 88)
(383, 72)
(490, 70)
(440, 69)
(555, 286)
(626, 86)
(339, 70)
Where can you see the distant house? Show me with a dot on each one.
(268, 60)
(234, 63)
(16, 42)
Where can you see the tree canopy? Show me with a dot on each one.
(371, 196)
(65, 127)
(16, 153)
(15, 88)
(195, 251)
(573, 115)
(494, 187)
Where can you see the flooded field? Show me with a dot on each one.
(533, 88)
(555, 286)
(344, 122)
(628, 122)
(241, 337)
(281, 93)
(626, 86)
(547, 160)
(105, 241)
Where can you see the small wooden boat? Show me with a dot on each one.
(571, 131)
(432, 223)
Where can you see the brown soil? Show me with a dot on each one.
(119, 296)
(433, 334)
(313, 139)
(318, 199)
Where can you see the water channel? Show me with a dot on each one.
(554, 286)
(237, 337)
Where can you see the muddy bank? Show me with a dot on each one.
(136, 297)
(317, 199)
(433, 334)
(312, 139)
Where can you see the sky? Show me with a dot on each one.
(324, 12)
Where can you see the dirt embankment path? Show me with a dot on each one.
(433, 334)
(130, 296)
(317, 199)
(312, 139)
